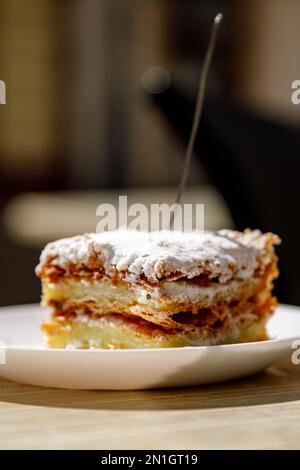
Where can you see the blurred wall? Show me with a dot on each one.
(79, 112)
(267, 56)
(33, 122)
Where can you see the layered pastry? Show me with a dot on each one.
(130, 289)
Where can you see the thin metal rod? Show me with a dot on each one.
(198, 111)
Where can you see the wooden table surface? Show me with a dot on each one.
(260, 412)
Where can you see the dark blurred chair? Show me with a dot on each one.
(255, 164)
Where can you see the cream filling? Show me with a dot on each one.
(161, 298)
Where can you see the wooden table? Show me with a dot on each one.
(259, 412)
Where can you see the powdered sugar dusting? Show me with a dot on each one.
(164, 254)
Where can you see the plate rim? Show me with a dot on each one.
(230, 346)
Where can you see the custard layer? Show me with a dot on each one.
(117, 332)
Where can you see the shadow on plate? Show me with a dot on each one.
(279, 384)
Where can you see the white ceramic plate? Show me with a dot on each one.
(28, 361)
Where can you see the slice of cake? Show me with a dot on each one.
(129, 289)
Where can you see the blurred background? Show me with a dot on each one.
(100, 97)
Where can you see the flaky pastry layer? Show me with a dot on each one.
(158, 290)
(153, 257)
